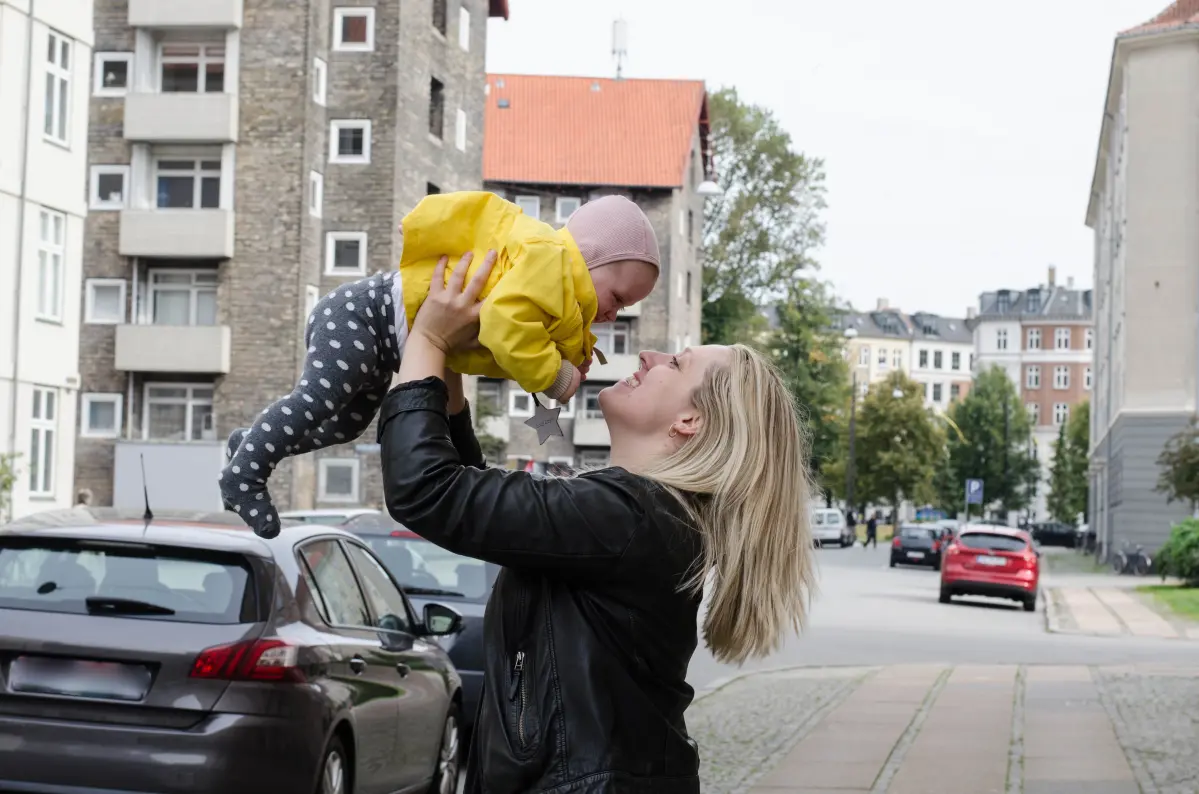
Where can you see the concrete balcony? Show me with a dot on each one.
(617, 368)
(221, 14)
(591, 432)
(630, 311)
(179, 476)
(183, 117)
(180, 349)
(177, 234)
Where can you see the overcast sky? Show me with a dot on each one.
(959, 138)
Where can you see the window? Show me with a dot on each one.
(440, 16)
(1087, 379)
(690, 226)
(431, 189)
(1003, 302)
(1061, 413)
(345, 253)
(353, 29)
(955, 361)
(336, 585)
(565, 207)
(682, 223)
(107, 187)
(593, 458)
(1034, 338)
(938, 360)
(612, 338)
(882, 358)
(1032, 377)
(384, 597)
(350, 141)
(689, 303)
(955, 391)
(58, 88)
(460, 130)
(971, 362)
(1001, 339)
(864, 356)
(51, 245)
(1089, 336)
(923, 359)
(1061, 377)
(679, 282)
(936, 392)
(519, 402)
(590, 404)
(316, 193)
(896, 356)
(43, 426)
(104, 303)
(1061, 338)
(100, 416)
(183, 297)
(490, 393)
(463, 28)
(436, 108)
(337, 480)
(178, 412)
(110, 73)
(188, 184)
(320, 81)
(529, 205)
(312, 296)
(192, 68)
(1034, 412)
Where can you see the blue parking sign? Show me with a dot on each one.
(974, 492)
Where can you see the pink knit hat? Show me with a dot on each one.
(613, 228)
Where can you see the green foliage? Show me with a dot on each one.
(493, 448)
(899, 443)
(1179, 557)
(1179, 461)
(1068, 476)
(8, 478)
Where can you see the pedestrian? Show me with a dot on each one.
(593, 621)
(852, 523)
(872, 530)
(550, 286)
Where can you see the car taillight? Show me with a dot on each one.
(895, 542)
(952, 549)
(255, 660)
(1030, 559)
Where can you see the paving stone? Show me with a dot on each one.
(1156, 718)
(1080, 787)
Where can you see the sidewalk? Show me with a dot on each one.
(929, 729)
(1108, 611)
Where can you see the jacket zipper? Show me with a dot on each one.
(518, 687)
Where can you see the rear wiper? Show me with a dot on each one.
(124, 606)
(431, 591)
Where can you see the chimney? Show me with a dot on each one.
(883, 305)
(1052, 276)
(1069, 282)
(971, 313)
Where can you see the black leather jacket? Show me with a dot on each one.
(587, 635)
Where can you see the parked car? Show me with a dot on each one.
(916, 544)
(1055, 533)
(829, 526)
(430, 574)
(183, 654)
(992, 561)
(328, 516)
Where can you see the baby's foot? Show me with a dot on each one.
(234, 442)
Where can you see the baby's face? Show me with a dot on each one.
(621, 284)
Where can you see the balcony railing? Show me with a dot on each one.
(177, 233)
(179, 349)
(181, 117)
(223, 14)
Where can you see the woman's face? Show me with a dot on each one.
(658, 395)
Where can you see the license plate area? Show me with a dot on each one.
(43, 675)
(990, 561)
(916, 555)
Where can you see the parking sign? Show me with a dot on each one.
(974, 492)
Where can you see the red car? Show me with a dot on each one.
(992, 561)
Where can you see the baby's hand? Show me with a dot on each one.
(575, 380)
(585, 368)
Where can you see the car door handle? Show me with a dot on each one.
(403, 669)
(358, 665)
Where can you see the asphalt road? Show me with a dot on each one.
(870, 614)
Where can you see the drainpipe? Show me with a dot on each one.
(21, 200)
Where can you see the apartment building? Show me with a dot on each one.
(1142, 204)
(1043, 339)
(45, 58)
(246, 157)
(554, 143)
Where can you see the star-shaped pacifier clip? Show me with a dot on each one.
(545, 421)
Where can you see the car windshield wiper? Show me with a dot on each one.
(124, 606)
(431, 591)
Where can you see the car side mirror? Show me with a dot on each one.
(441, 621)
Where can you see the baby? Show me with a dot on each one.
(546, 289)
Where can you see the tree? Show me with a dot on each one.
(493, 448)
(1179, 462)
(1068, 476)
(759, 234)
(995, 445)
(8, 477)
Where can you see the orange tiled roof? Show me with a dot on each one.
(1180, 13)
(591, 131)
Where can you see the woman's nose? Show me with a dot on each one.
(651, 358)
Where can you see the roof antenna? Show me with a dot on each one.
(149, 515)
(620, 45)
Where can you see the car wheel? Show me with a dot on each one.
(445, 780)
(892, 562)
(1030, 603)
(335, 770)
(945, 595)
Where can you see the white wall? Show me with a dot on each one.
(946, 375)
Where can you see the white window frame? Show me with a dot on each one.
(98, 61)
(524, 202)
(955, 361)
(1061, 377)
(331, 241)
(882, 358)
(193, 290)
(339, 14)
(583, 412)
(489, 383)
(210, 52)
(938, 359)
(51, 265)
(57, 110)
(606, 335)
(561, 215)
(1034, 338)
(897, 358)
(864, 356)
(190, 401)
(1032, 376)
(316, 193)
(312, 296)
(89, 303)
(514, 393)
(1090, 338)
(1061, 338)
(922, 358)
(1061, 413)
(1088, 378)
(320, 81)
(98, 203)
(43, 437)
(198, 173)
(464, 28)
(460, 130)
(118, 401)
(1034, 412)
(335, 128)
(322, 480)
(1001, 339)
(938, 392)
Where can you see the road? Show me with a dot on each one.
(870, 614)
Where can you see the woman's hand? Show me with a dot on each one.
(449, 317)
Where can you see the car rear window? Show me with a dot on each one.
(991, 542)
(129, 580)
(916, 532)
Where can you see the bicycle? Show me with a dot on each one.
(1137, 562)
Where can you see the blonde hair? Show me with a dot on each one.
(743, 478)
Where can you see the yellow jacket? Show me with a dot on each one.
(538, 304)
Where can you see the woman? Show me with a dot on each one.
(592, 623)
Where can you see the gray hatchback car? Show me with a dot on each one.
(184, 654)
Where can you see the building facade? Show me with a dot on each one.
(246, 157)
(1142, 206)
(45, 61)
(1043, 340)
(554, 143)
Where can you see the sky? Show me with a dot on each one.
(958, 138)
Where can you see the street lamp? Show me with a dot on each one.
(851, 333)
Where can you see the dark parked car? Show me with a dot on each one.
(186, 655)
(1053, 533)
(429, 573)
(917, 545)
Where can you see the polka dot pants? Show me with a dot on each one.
(352, 354)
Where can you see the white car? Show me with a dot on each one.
(329, 516)
(828, 526)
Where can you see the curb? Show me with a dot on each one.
(721, 683)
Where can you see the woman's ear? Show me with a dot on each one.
(686, 425)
